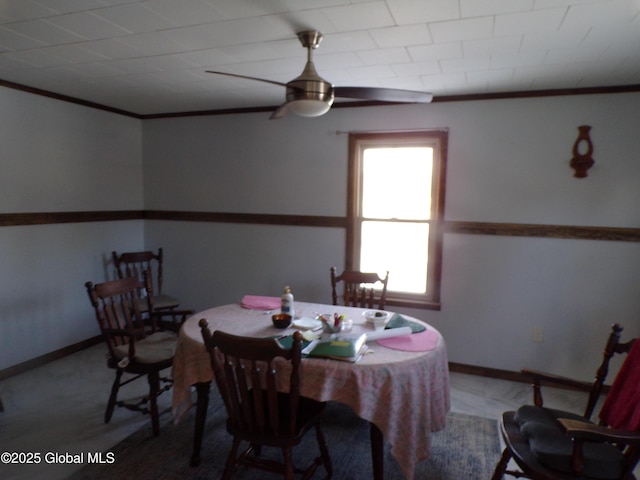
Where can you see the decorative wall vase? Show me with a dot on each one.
(582, 161)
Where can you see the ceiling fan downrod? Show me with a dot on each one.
(309, 94)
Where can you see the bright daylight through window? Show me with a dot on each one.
(396, 204)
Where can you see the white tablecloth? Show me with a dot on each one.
(405, 394)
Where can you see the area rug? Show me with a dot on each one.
(467, 449)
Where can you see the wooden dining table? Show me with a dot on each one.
(400, 387)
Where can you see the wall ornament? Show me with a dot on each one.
(582, 151)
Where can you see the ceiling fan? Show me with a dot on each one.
(310, 95)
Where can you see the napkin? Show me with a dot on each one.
(256, 302)
(398, 321)
(417, 342)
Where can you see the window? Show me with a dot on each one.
(395, 210)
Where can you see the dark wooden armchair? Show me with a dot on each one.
(134, 342)
(359, 289)
(134, 264)
(259, 414)
(550, 444)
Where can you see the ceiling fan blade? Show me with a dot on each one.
(383, 94)
(273, 82)
(280, 112)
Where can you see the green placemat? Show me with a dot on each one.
(287, 341)
(398, 321)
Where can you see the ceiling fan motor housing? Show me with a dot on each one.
(310, 87)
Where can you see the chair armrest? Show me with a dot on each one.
(590, 432)
(168, 313)
(120, 332)
(543, 378)
(172, 319)
(581, 432)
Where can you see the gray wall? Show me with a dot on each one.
(508, 162)
(59, 157)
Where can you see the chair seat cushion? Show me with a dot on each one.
(165, 301)
(555, 450)
(155, 348)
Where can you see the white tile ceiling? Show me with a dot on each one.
(150, 56)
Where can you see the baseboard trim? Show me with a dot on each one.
(76, 347)
(489, 372)
(508, 375)
(49, 357)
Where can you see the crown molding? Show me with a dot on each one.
(233, 111)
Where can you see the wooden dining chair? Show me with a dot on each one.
(258, 413)
(134, 264)
(135, 343)
(551, 444)
(359, 289)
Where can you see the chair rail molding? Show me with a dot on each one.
(568, 232)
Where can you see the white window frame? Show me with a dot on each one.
(436, 139)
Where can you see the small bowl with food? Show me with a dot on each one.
(378, 318)
(281, 320)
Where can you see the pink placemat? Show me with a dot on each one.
(416, 342)
(256, 302)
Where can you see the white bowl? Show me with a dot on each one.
(377, 315)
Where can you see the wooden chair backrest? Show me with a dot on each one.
(359, 289)
(245, 373)
(612, 347)
(117, 311)
(134, 264)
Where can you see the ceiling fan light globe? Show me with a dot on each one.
(309, 98)
(309, 108)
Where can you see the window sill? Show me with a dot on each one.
(413, 303)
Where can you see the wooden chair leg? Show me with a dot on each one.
(377, 452)
(231, 460)
(324, 452)
(113, 397)
(202, 404)
(501, 467)
(154, 389)
(289, 473)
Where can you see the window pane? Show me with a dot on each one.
(396, 183)
(400, 248)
